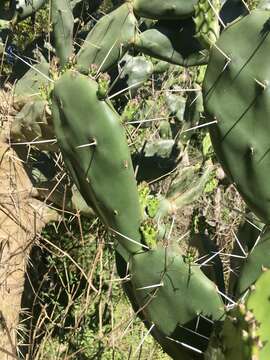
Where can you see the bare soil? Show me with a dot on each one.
(22, 217)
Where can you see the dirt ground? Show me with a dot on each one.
(21, 219)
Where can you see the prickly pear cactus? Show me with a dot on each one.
(236, 340)
(174, 42)
(29, 87)
(33, 124)
(74, 77)
(109, 39)
(163, 285)
(63, 23)
(185, 189)
(206, 19)
(96, 153)
(255, 263)
(258, 302)
(159, 9)
(137, 70)
(236, 100)
(245, 333)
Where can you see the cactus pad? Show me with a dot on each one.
(237, 102)
(96, 153)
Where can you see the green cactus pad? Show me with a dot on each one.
(30, 85)
(207, 21)
(248, 236)
(186, 188)
(137, 70)
(96, 153)
(108, 41)
(173, 41)
(229, 343)
(173, 345)
(258, 303)
(193, 113)
(236, 96)
(33, 124)
(171, 292)
(245, 333)
(160, 9)
(176, 105)
(257, 260)
(63, 22)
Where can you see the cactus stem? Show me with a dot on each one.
(252, 224)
